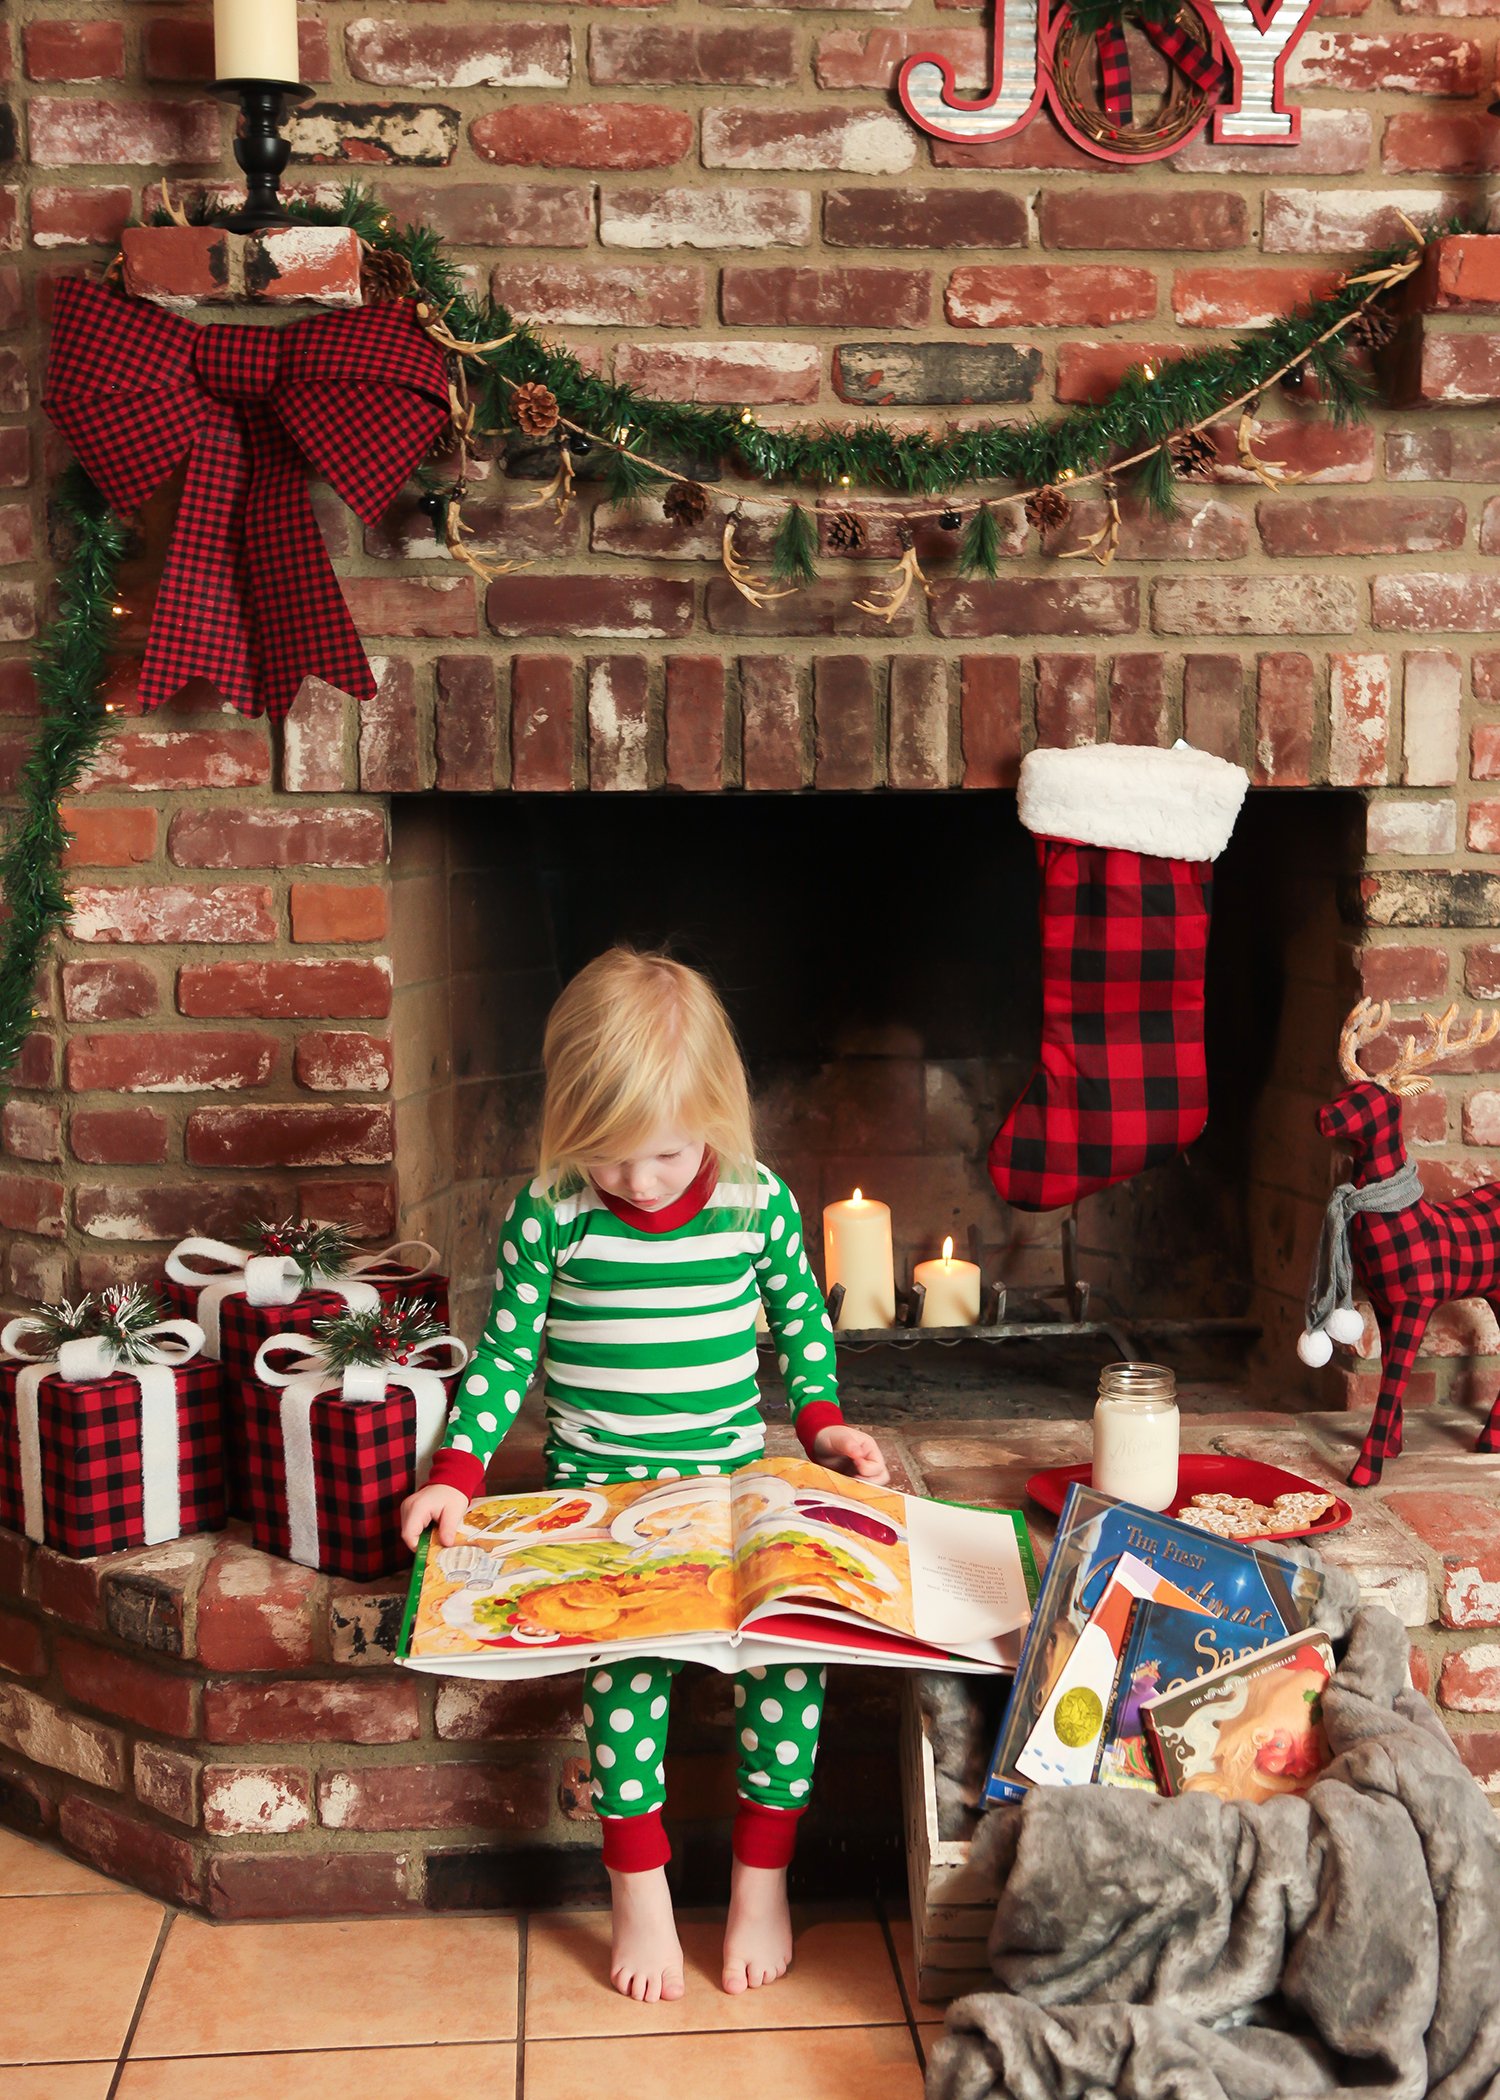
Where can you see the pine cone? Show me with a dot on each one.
(846, 533)
(1193, 454)
(385, 276)
(1046, 509)
(1371, 328)
(685, 503)
(534, 407)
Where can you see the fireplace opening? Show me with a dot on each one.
(879, 957)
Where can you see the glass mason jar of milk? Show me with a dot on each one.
(1136, 1434)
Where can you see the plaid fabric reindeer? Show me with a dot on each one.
(1408, 1255)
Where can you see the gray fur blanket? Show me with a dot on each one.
(1344, 1943)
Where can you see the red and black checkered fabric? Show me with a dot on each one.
(1121, 1080)
(431, 1291)
(248, 599)
(1409, 1262)
(1114, 72)
(90, 1437)
(364, 1460)
(12, 1513)
(243, 1326)
(242, 1329)
(1199, 64)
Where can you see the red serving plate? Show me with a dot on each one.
(1208, 1475)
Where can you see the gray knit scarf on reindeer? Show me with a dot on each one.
(1332, 1284)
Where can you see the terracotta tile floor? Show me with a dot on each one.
(111, 1996)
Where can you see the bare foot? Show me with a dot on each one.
(645, 1956)
(758, 1937)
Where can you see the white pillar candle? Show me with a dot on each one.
(857, 1254)
(1137, 1434)
(256, 40)
(953, 1290)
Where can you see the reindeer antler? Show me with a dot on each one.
(1405, 1078)
(1365, 1023)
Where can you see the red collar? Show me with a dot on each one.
(693, 1199)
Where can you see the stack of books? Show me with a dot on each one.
(1163, 1658)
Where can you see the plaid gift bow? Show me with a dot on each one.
(1175, 46)
(310, 1379)
(263, 1279)
(248, 599)
(83, 1360)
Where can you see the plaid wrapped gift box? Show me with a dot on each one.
(111, 1467)
(331, 1456)
(240, 1300)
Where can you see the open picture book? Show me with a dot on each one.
(779, 1562)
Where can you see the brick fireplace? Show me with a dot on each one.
(307, 968)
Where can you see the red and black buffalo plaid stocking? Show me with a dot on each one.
(1126, 836)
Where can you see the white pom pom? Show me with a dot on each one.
(1315, 1348)
(1345, 1324)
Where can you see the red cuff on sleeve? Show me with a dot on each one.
(764, 1836)
(457, 1469)
(817, 1415)
(635, 1844)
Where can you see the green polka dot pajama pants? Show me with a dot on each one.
(778, 1711)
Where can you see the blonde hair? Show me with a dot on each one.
(636, 1042)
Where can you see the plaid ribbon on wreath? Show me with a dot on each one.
(1176, 47)
(248, 599)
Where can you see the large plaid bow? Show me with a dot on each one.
(248, 599)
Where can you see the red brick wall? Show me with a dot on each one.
(721, 201)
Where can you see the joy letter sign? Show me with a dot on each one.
(1244, 61)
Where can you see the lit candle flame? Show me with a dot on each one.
(858, 1198)
(948, 1253)
(1148, 371)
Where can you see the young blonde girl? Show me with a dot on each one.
(636, 1260)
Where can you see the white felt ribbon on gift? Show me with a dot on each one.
(264, 1279)
(384, 1268)
(82, 1361)
(309, 1379)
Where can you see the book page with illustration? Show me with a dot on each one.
(785, 1555)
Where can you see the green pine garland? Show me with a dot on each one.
(644, 441)
(69, 662)
(1140, 415)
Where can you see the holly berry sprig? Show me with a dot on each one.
(120, 1314)
(388, 1334)
(324, 1249)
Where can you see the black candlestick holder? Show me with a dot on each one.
(260, 149)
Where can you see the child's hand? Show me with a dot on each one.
(442, 1506)
(858, 1450)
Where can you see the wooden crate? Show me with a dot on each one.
(950, 1916)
